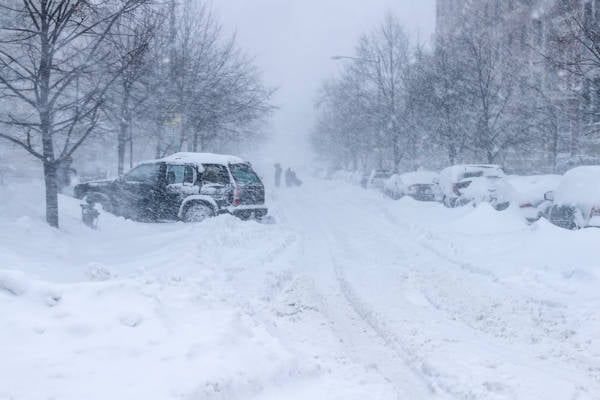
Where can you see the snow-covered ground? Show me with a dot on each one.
(350, 295)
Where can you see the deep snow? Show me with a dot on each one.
(350, 295)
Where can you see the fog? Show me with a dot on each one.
(293, 42)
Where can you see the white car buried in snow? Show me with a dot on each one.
(377, 178)
(529, 194)
(420, 185)
(475, 183)
(576, 200)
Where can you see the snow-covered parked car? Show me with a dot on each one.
(576, 200)
(529, 194)
(474, 183)
(377, 178)
(184, 186)
(420, 185)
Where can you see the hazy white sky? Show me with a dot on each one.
(293, 41)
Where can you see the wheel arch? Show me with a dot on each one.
(209, 201)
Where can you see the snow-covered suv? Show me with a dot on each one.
(184, 186)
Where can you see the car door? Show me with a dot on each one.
(216, 183)
(181, 183)
(140, 191)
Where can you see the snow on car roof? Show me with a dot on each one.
(579, 186)
(202, 158)
(456, 170)
(416, 177)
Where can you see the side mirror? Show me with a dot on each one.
(549, 196)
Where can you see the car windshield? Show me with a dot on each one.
(243, 174)
(382, 174)
(473, 174)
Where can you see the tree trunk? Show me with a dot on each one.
(51, 193)
(121, 146)
(490, 157)
(195, 141)
(396, 150)
(45, 114)
(452, 154)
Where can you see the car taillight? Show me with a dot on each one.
(455, 189)
(236, 197)
(526, 205)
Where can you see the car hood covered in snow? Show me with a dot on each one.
(531, 189)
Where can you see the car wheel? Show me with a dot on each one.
(449, 202)
(577, 222)
(502, 206)
(198, 212)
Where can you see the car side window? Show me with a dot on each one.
(215, 173)
(180, 174)
(145, 173)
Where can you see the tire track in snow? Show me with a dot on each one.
(551, 321)
(366, 335)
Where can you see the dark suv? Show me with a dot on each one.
(184, 186)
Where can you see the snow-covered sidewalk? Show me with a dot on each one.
(348, 296)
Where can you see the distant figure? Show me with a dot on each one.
(277, 175)
(291, 179)
(288, 177)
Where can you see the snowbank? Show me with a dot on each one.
(160, 311)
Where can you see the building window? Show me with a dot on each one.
(596, 100)
(588, 20)
(538, 30)
(523, 37)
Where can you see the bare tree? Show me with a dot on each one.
(214, 92)
(53, 70)
(574, 49)
(385, 57)
(130, 44)
(448, 99)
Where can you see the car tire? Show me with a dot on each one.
(577, 224)
(198, 212)
(502, 206)
(449, 202)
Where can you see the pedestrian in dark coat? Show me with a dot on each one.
(277, 175)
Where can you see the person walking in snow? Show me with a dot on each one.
(291, 179)
(277, 175)
(288, 177)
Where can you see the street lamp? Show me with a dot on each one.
(367, 60)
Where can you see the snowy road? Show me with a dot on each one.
(349, 296)
(460, 313)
